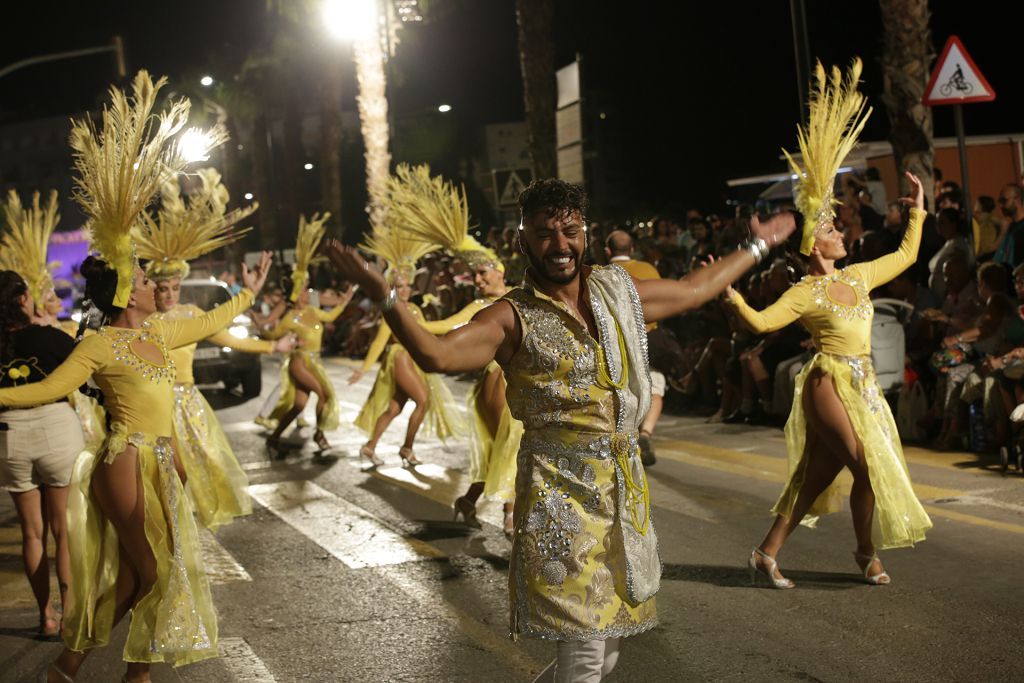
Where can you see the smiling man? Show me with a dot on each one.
(585, 564)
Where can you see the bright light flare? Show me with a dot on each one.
(444, 108)
(206, 81)
(195, 144)
(350, 20)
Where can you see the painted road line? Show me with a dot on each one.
(346, 531)
(441, 485)
(239, 657)
(221, 566)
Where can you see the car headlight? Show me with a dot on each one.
(239, 332)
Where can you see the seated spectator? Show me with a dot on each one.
(986, 229)
(950, 225)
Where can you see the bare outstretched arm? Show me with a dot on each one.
(489, 335)
(665, 298)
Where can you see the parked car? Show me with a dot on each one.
(213, 363)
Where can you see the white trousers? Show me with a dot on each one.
(588, 661)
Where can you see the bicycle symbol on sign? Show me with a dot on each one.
(956, 82)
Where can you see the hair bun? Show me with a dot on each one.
(92, 267)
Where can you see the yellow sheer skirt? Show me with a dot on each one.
(492, 457)
(899, 519)
(330, 416)
(93, 418)
(175, 622)
(442, 418)
(216, 483)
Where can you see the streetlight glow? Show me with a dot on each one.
(206, 81)
(195, 145)
(350, 20)
(248, 196)
(308, 166)
(444, 108)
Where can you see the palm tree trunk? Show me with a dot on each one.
(330, 138)
(537, 64)
(373, 117)
(906, 57)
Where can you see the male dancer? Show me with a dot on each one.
(585, 564)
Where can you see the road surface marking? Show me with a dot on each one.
(348, 532)
(239, 657)
(220, 565)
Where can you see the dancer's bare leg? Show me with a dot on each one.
(411, 384)
(32, 517)
(56, 498)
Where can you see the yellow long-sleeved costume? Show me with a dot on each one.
(442, 417)
(216, 482)
(842, 336)
(307, 324)
(90, 413)
(175, 622)
(492, 457)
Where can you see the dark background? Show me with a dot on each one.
(694, 92)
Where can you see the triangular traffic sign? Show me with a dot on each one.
(513, 186)
(956, 79)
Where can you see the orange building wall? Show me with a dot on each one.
(990, 167)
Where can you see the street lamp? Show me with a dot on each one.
(350, 20)
(206, 81)
(444, 108)
(248, 196)
(308, 166)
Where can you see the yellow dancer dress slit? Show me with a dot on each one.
(842, 336)
(492, 457)
(216, 483)
(442, 418)
(175, 622)
(307, 324)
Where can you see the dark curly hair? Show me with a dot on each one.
(12, 288)
(553, 197)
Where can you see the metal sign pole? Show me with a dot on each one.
(958, 118)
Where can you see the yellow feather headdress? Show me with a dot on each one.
(399, 250)
(183, 230)
(836, 117)
(432, 210)
(121, 167)
(310, 234)
(23, 248)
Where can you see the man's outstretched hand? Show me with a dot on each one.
(354, 268)
(775, 230)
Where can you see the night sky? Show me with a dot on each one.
(697, 92)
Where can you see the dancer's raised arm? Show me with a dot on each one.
(665, 298)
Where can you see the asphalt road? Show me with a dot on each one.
(343, 574)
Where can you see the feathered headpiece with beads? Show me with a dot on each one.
(23, 247)
(836, 117)
(184, 229)
(121, 167)
(433, 210)
(399, 250)
(310, 233)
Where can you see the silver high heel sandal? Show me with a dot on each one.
(371, 455)
(880, 579)
(769, 574)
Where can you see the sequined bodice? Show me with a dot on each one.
(553, 378)
(306, 326)
(181, 357)
(837, 327)
(138, 393)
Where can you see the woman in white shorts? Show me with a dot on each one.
(38, 446)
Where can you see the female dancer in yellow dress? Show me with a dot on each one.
(181, 232)
(304, 373)
(400, 379)
(132, 534)
(840, 417)
(433, 211)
